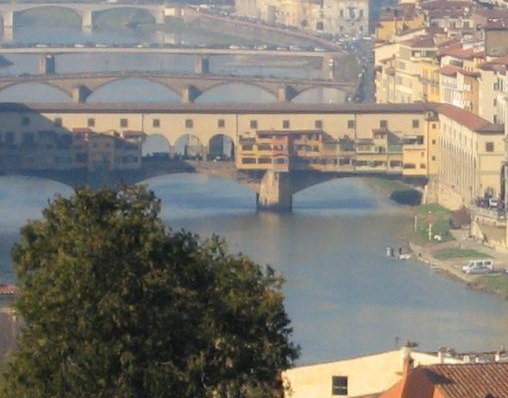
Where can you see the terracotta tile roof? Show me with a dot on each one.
(420, 42)
(450, 70)
(7, 289)
(463, 53)
(453, 381)
(470, 120)
(446, 5)
(470, 380)
(498, 64)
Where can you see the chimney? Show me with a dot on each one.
(407, 361)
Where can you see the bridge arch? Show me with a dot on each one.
(221, 147)
(168, 94)
(320, 94)
(156, 16)
(34, 8)
(156, 145)
(35, 90)
(237, 93)
(190, 146)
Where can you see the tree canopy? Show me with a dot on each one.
(114, 304)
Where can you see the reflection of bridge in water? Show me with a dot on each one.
(189, 87)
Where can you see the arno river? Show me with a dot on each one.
(344, 296)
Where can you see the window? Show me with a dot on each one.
(249, 160)
(489, 147)
(318, 124)
(339, 385)
(9, 137)
(415, 124)
(189, 123)
(124, 123)
(433, 142)
(433, 158)
(91, 123)
(58, 122)
(285, 124)
(350, 124)
(221, 123)
(383, 124)
(25, 121)
(253, 124)
(156, 123)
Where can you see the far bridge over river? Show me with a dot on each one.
(189, 87)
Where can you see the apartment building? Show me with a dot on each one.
(344, 17)
(472, 152)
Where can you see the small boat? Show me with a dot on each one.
(404, 256)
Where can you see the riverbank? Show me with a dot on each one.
(447, 250)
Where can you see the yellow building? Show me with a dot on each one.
(397, 20)
(472, 153)
(355, 377)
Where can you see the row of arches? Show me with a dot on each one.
(59, 15)
(144, 90)
(188, 146)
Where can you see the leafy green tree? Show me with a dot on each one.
(116, 305)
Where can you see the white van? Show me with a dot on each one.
(478, 267)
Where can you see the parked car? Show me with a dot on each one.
(476, 267)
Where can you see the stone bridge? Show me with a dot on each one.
(274, 190)
(188, 86)
(86, 12)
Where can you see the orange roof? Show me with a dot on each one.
(453, 381)
(470, 120)
(450, 70)
(420, 42)
(463, 53)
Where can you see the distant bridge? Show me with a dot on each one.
(188, 86)
(86, 12)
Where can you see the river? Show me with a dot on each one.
(344, 296)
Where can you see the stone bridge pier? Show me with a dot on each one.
(276, 188)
